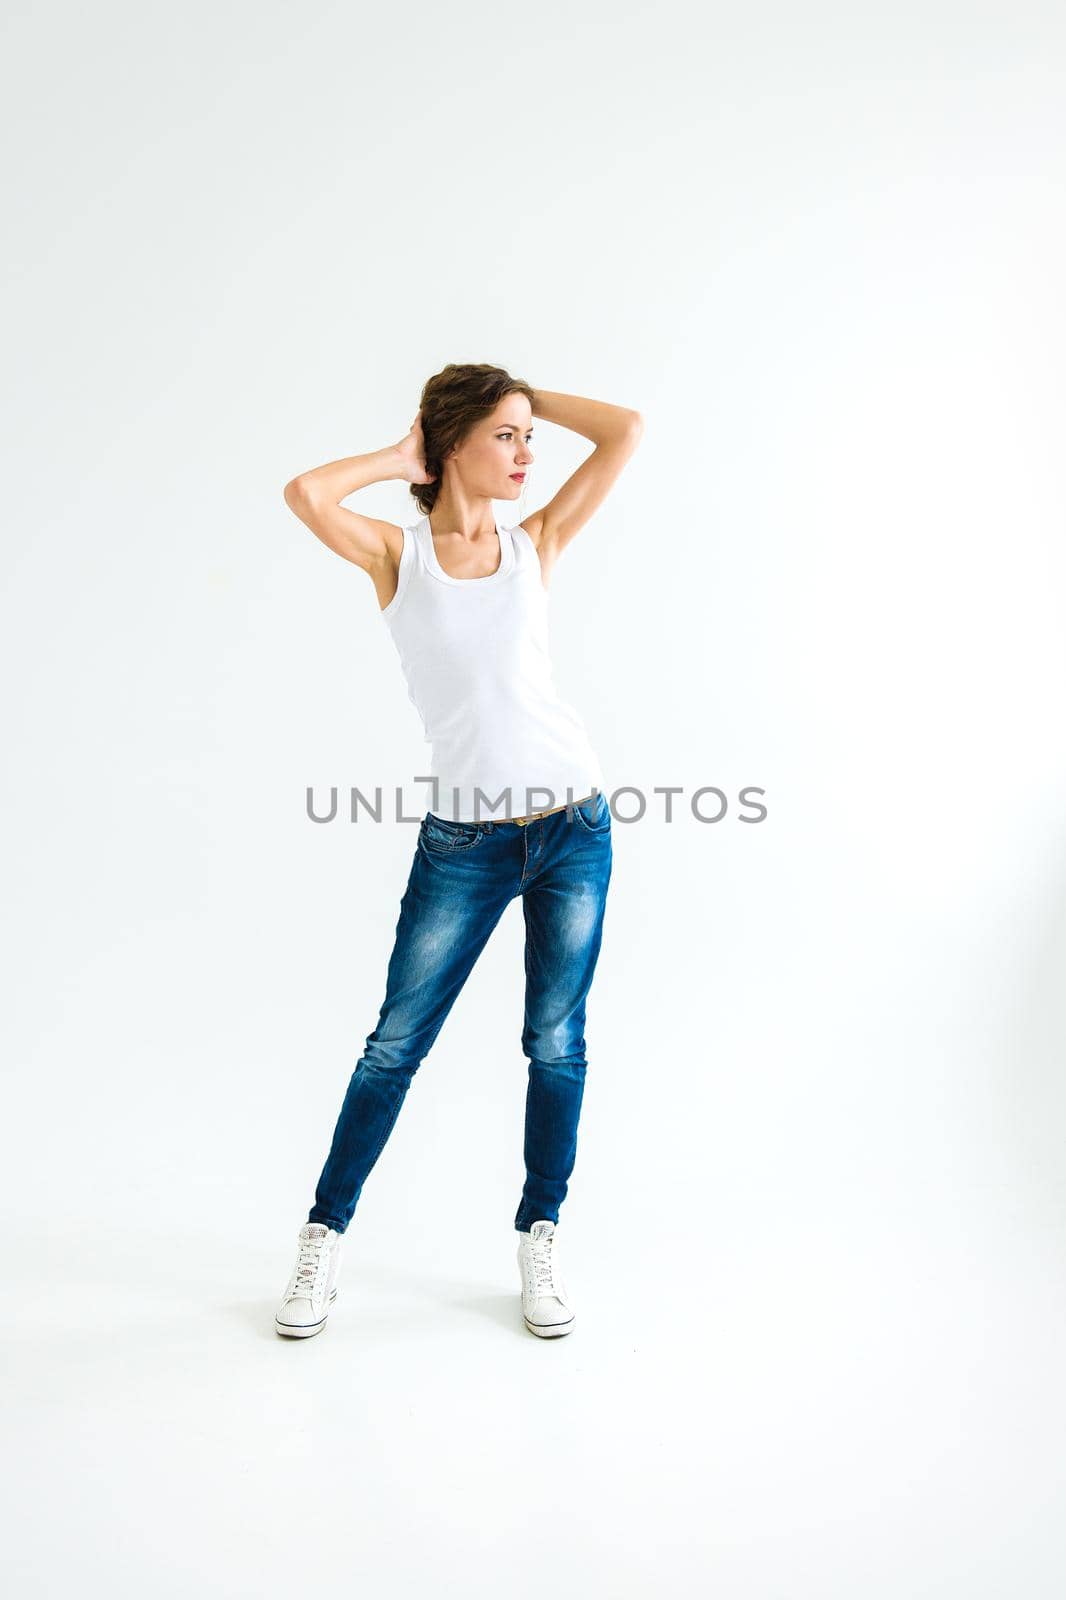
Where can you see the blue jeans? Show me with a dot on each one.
(463, 877)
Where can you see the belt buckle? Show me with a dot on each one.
(522, 821)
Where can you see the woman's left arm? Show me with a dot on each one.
(616, 431)
(593, 419)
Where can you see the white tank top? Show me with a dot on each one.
(475, 656)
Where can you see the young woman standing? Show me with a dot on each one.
(466, 604)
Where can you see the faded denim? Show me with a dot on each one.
(463, 877)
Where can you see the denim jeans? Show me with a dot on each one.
(463, 877)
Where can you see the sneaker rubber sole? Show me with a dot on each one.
(291, 1330)
(551, 1330)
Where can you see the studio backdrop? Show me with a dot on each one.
(815, 631)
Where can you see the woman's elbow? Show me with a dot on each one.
(295, 491)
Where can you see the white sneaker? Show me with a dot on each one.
(546, 1304)
(312, 1291)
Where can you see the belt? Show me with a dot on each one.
(521, 821)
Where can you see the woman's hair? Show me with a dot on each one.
(453, 401)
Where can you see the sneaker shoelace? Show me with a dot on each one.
(543, 1265)
(308, 1265)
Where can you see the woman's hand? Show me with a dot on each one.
(412, 453)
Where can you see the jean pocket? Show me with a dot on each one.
(594, 815)
(438, 833)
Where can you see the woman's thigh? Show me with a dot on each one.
(459, 885)
(564, 909)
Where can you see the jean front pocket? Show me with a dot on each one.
(594, 815)
(437, 833)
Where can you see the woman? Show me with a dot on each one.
(466, 604)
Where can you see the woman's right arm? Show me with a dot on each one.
(315, 498)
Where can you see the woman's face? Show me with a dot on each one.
(494, 458)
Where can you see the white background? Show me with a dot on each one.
(815, 1231)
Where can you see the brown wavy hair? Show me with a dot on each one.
(453, 401)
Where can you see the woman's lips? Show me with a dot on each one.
(519, 477)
